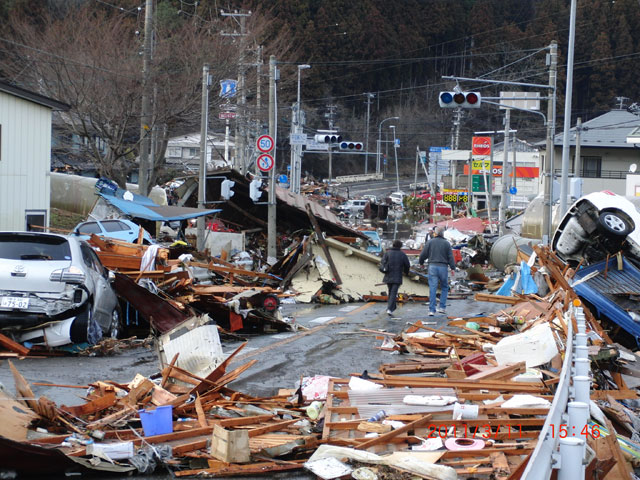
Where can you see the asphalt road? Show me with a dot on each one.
(330, 342)
(379, 188)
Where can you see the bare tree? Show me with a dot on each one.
(90, 57)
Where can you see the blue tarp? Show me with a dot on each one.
(143, 207)
(607, 293)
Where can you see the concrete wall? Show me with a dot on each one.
(25, 160)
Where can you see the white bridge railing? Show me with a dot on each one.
(555, 451)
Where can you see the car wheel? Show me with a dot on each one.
(115, 327)
(613, 223)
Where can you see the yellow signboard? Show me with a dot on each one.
(477, 166)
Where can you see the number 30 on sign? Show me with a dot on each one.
(265, 162)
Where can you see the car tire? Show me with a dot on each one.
(79, 332)
(115, 326)
(613, 223)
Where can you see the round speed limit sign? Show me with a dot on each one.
(265, 162)
(265, 143)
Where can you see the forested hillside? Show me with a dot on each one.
(88, 54)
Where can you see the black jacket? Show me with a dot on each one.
(397, 263)
(437, 251)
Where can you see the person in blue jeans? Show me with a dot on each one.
(439, 254)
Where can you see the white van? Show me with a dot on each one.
(353, 207)
(597, 225)
(397, 197)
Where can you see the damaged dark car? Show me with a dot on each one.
(54, 290)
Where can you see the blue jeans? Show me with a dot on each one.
(438, 274)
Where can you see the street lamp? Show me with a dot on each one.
(395, 154)
(296, 150)
(380, 141)
(300, 68)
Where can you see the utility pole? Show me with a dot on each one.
(366, 132)
(550, 146)
(505, 173)
(564, 184)
(145, 118)
(331, 115)
(241, 120)
(578, 161)
(456, 129)
(202, 173)
(273, 131)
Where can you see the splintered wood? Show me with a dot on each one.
(459, 399)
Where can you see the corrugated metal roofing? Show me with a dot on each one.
(150, 211)
(616, 282)
(300, 201)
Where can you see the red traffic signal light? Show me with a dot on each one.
(460, 99)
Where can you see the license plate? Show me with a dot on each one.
(14, 302)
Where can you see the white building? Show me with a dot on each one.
(183, 152)
(25, 157)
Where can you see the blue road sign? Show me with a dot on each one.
(283, 179)
(513, 190)
(228, 88)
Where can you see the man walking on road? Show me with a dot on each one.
(394, 263)
(438, 253)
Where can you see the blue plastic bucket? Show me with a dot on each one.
(157, 421)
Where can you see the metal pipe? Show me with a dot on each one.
(564, 184)
(581, 386)
(581, 339)
(578, 417)
(582, 352)
(571, 458)
(582, 366)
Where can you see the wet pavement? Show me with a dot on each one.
(331, 343)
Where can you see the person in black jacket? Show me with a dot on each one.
(439, 254)
(396, 263)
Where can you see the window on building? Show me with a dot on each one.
(174, 152)
(591, 167)
(193, 152)
(35, 220)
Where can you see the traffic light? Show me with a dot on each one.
(226, 191)
(349, 145)
(460, 99)
(254, 189)
(327, 138)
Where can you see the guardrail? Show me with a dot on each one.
(558, 448)
(357, 178)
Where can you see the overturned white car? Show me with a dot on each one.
(597, 225)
